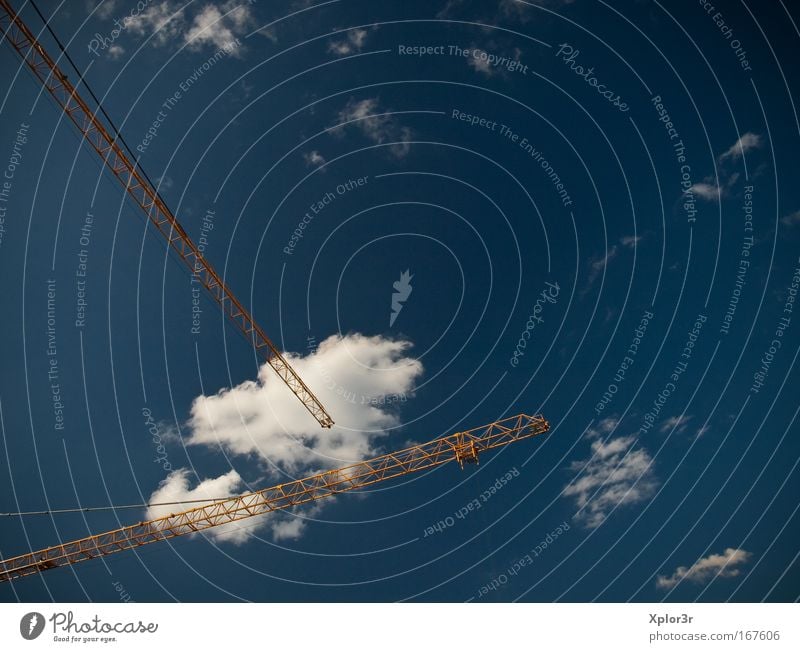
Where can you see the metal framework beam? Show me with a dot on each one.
(144, 195)
(463, 447)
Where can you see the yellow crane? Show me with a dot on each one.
(462, 447)
(137, 185)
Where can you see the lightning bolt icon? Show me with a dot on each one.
(32, 624)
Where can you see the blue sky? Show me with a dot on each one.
(446, 213)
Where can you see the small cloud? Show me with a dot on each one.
(353, 42)
(598, 263)
(352, 375)
(480, 62)
(219, 27)
(509, 9)
(603, 427)
(175, 488)
(115, 52)
(314, 159)
(617, 474)
(372, 120)
(706, 191)
(791, 219)
(482, 66)
(290, 529)
(630, 241)
(514, 10)
(707, 569)
(169, 22)
(702, 431)
(678, 423)
(711, 189)
(163, 20)
(284, 526)
(105, 8)
(746, 143)
(292, 526)
(269, 33)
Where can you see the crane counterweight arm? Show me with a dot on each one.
(139, 188)
(463, 447)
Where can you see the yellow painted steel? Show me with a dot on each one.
(463, 447)
(144, 195)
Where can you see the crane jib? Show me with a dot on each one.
(137, 185)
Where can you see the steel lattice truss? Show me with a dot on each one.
(463, 447)
(95, 133)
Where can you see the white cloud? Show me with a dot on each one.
(702, 431)
(219, 27)
(350, 375)
(197, 26)
(598, 263)
(509, 9)
(176, 488)
(707, 191)
(314, 159)
(618, 474)
(603, 427)
(791, 219)
(353, 42)
(678, 423)
(630, 241)
(714, 189)
(707, 568)
(163, 19)
(482, 66)
(514, 10)
(378, 128)
(105, 8)
(746, 143)
(116, 51)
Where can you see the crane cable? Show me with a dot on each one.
(82, 80)
(118, 136)
(105, 508)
